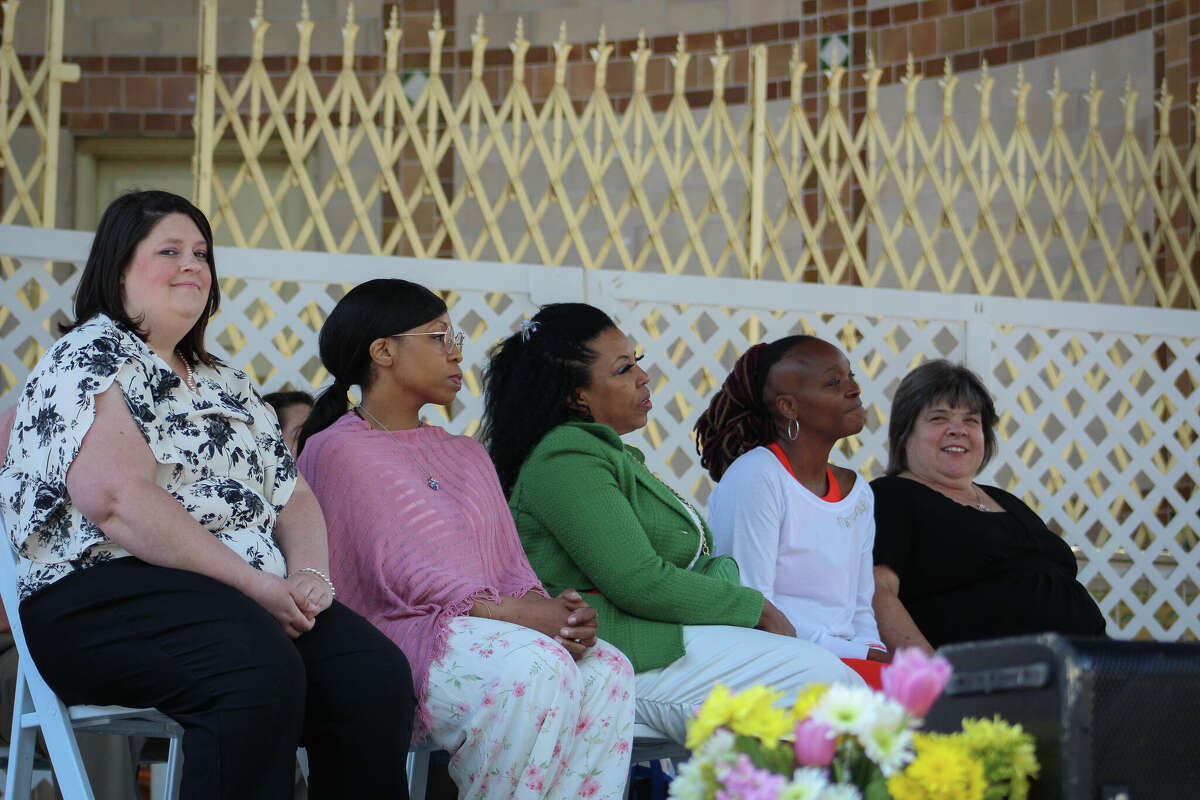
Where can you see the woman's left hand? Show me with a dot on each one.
(583, 624)
(311, 594)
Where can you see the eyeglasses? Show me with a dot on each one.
(451, 339)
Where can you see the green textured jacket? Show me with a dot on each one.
(591, 516)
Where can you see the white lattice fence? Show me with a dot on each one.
(1112, 458)
(273, 305)
(1099, 414)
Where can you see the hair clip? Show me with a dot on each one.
(528, 328)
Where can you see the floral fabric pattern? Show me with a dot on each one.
(219, 452)
(522, 719)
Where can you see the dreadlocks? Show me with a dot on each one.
(737, 419)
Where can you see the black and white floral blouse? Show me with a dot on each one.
(219, 451)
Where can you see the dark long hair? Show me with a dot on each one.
(934, 381)
(737, 419)
(372, 310)
(281, 400)
(531, 380)
(125, 223)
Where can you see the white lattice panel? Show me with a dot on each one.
(1099, 415)
(272, 307)
(1101, 440)
(1098, 429)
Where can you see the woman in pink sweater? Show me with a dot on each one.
(512, 682)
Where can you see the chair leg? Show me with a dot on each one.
(302, 762)
(418, 774)
(19, 780)
(64, 752)
(174, 767)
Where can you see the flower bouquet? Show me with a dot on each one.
(851, 743)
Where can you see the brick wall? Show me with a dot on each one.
(152, 94)
(148, 94)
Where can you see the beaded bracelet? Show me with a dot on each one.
(322, 576)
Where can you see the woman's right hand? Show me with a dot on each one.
(772, 620)
(552, 616)
(275, 595)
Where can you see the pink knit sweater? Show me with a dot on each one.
(408, 558)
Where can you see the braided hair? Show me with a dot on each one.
(737, 420)
(531, 379)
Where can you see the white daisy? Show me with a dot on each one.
(695, 776)
(807, 784)
(844, 708)
(719, 747)
(841, 791)
(689, 782)
(886, 738)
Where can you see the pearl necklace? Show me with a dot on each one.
(190, 378)
(430, 481)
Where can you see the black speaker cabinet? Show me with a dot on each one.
(1113, 720)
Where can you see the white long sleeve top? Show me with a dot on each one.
(810, 557)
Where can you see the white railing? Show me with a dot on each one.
(1099, 405)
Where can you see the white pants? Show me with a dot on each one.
(522, 719)
(738, 658)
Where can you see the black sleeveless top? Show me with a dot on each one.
(967, 574)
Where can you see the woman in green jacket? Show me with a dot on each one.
(559, 394)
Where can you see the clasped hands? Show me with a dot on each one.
(578, 632)
(294, 602)
(567, 619)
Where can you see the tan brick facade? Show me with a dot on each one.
(139, 65)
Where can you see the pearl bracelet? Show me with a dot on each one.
(322, 576)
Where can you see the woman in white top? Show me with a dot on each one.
(801, 529)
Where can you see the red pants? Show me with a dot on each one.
(871, 671)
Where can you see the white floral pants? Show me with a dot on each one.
(522, 719)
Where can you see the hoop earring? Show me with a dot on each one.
(793, 428)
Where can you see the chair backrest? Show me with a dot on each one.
(8, 593)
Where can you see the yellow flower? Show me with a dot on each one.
(755, 715)
(903, 787)
(1006, 752)
(717, 709)
(749, 713)
(942, 770)
(806, 699)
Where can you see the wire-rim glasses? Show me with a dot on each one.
(452, 338)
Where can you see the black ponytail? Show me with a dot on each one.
(369, 311)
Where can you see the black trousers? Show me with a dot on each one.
(129, 633)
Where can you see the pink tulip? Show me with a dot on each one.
(915, 680)
(814, 743)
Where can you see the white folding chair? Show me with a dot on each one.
(418, 768)
(648, 745)
(37, 706)
(41, 768)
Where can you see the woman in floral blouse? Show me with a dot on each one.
(169, 556)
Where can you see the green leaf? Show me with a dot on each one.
(862, 769)
(877, 789)
(776, 758)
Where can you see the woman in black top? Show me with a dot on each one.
(956, 561)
